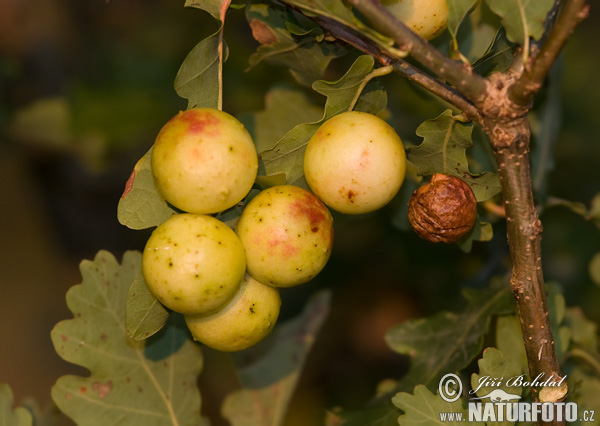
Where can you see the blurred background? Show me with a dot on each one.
(84, 88)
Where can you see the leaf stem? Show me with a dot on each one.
(525, 33)
(222, 13)
(400, 66)
(168, 403)
(446, 140)
(377, 72)
(586, 356)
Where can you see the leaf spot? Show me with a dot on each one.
(102, 389)
(262, 33)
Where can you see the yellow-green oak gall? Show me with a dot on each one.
(247, 319)
(204, 161)
(193, 263)
(427, 18)
(355, 162)
(288, 235)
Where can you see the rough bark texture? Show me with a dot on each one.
(508, 128)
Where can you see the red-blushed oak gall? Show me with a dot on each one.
(287, 233)
(204, 161)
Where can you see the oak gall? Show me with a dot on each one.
(444, 210)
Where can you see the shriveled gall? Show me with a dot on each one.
(444, 210)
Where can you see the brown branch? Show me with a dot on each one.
(527, 86)
(508, 128)
(402, 67)
(458, 74)
(517, 64)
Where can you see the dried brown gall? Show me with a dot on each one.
(444, 210)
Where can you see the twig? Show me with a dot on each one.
(458, 74)
(526, 87)
(402, 67)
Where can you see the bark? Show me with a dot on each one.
(508, 128)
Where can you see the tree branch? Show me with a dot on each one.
(508, 128)
(400, 66)
(526, 87)
(524, 230)
(458, 74)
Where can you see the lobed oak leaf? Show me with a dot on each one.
(150, 382)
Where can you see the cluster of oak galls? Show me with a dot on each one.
(224, 280)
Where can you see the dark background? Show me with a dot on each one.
(85, 87)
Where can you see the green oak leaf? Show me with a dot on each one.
(458, 10)
(305, 56)
(150, 382)
(141, 206)
(46, 121)
(269, 371)
(509, 341)
(481, 231)
(215, 7)
(382, 415)
(594, 211)
(575, 206)
(400, 202)
(47, 415)
(351, 89)
(424, 408)
(10, 416)
(284, 108)
(557, 308)
(199, 79)
(475, 42)
(498, 56)
(231, 216)
(584, 388)
(443, 150)
(447, 341)
(334, 9)
(584, 332)
(298, 24)
(591, 214)
(286, 157)
(338, 11)
(522, 18)
(495, 366)
(145, 315)
(594, 268)
(495, 370)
